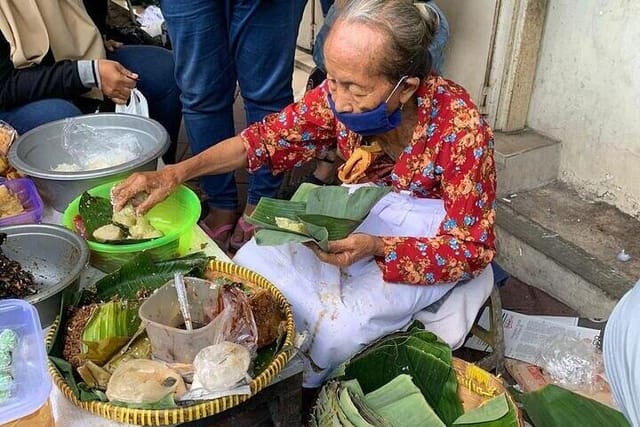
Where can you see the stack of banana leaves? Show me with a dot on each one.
(314, 214)
(407, 379)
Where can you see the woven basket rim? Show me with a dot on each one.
(204, 409)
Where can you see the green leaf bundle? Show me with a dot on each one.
(554, 406)
(314, 214)
(419, 354)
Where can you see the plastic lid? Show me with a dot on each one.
(31, 380)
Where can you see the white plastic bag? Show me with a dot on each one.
(137, 105)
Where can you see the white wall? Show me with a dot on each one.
(587, 95)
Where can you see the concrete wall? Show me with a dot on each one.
(587, 95)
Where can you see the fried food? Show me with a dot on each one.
(9, 203)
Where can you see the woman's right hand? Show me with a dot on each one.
(116, 81)
(157, 185)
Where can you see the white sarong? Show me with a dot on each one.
(343, 310)
(622, 354)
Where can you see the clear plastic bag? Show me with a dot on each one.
(87, 146)
(233, 317)
(573, 363)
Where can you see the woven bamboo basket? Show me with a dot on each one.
(475, 386)
(206, 408)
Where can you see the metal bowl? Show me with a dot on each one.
(54, 255)
(38, 152)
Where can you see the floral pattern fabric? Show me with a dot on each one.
(450, 157)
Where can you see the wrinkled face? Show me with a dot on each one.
(351, 53)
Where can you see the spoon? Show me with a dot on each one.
(182, 300)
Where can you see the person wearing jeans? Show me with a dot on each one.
(41, 82)
(217, 43)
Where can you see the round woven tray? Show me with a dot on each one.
(475, 386)
(210, 407)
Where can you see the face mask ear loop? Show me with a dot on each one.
(402, 79)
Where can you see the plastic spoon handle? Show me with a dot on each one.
(182, 300)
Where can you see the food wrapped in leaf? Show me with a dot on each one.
(140, 348)
(221, 366)
(326, 213)
(97, 331)
(94, 376)
(110, 327)
(143, 383)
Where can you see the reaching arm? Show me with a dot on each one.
(223, 157)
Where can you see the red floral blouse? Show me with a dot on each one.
(450, 158)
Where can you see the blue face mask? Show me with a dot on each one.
(372, 122)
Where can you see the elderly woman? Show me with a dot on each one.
(427, 141)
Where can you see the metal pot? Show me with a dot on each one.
(54, 255)
(38, 152)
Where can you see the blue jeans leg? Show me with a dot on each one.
(263, 38)
(157, 83)
(34, 114)
(205, 73)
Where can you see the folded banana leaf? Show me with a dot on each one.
(318, 214)
(553, 406)
(402, 404)
(139, 348)
(110, 327)
(495, 412)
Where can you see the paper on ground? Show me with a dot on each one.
(524, 335)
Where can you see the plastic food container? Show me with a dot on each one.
(38, 152)
(175, 217)
(28, 402)
(25, 190)
(161, 313)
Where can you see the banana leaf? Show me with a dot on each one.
(337, 228)
(139, 348)
(402, 404)
(166, 402)
(110, 327)
(328, 211)
(302, 193)
(414, 353)
(350, 411)
(95, 212)
(94, 376)
(553, 406)
(336, 201)
(143, 273)
(495, 412)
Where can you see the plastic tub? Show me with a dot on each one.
(29, 198)
(163, 320)
(38, 152)
(175, 217)
(31, 380)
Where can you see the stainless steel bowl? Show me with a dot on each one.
(54, 255)
(38, 152)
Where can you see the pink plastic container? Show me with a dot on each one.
(29, 198)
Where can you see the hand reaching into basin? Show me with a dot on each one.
(158, 185)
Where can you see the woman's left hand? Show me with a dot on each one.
(345, 252)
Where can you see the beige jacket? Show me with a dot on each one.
(32, 27)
